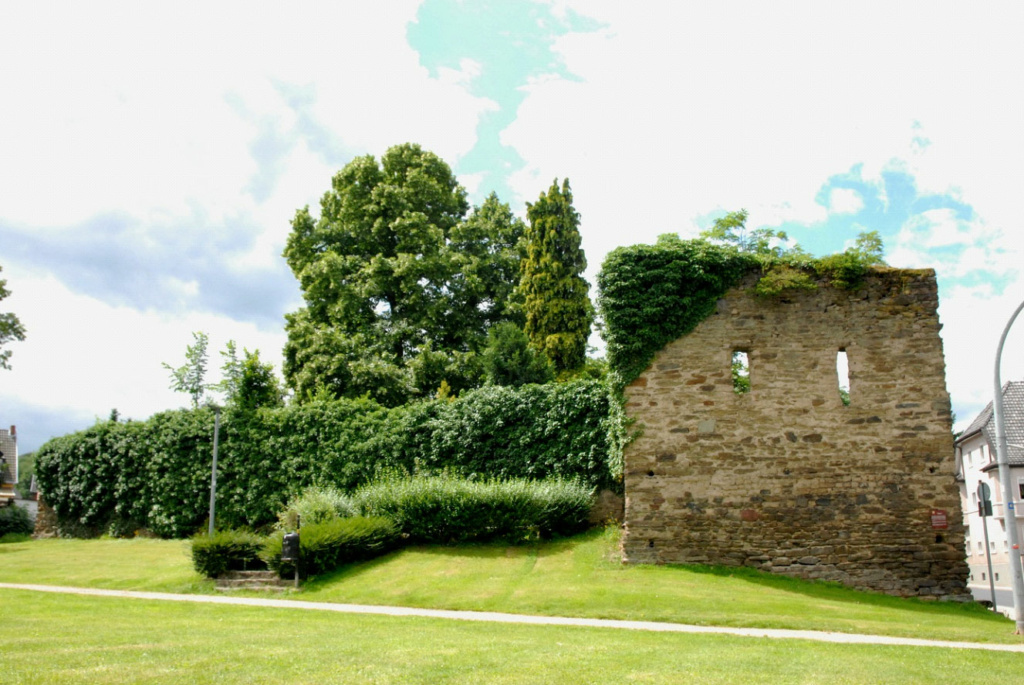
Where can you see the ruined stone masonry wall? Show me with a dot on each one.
(786, 478)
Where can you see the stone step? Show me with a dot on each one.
(247, 575)
(251, 580)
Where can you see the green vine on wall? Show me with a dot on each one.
(651, 295)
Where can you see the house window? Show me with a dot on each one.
(983, 575)
(997, 576)
(979, 548)
(740, 372)
(843, 376)
(1020, 488)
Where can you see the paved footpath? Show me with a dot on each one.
(494, 617)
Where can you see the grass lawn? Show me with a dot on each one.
(72, 639)
(574, 577)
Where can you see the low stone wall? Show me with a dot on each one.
(608, 507)
(785, 477)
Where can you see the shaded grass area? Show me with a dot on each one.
(578, 577)
(73, 639)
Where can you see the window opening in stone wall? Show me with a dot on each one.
(740, 372)
(843, 374)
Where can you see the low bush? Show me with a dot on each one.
(445, 509)
(325, 546)
(15, 520)
(14, 537)
(227, 550)
(315, 505)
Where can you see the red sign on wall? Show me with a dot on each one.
(939, 519)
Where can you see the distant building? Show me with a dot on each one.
(976, 464)
(8, 465)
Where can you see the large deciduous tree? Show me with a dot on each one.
(10, 327)
(399, 289)
(556, 301)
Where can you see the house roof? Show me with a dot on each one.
(1013, 422)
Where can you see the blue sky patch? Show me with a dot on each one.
(510, 43)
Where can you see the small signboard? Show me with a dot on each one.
(939, 519)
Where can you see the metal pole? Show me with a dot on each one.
(988, 556)
(1009, 504)
(213, 470)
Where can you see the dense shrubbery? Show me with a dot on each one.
(227, 550)
(14, 520)
(397, 509)
(325, 546)
(315, 505)
(535, 431)
(445, 509)
(118, 477)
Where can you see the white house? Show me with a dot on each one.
(976, 464)
(8, 465)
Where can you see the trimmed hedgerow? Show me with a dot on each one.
(566, 430)
(325, 546)
(118, 477)
(446, 509)
(227, 550)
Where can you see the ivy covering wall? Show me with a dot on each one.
(118, 477)
(651, 295)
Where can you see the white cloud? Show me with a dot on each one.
(845, 201)
(93, 357)
(153, 111)
(973, 319)
(688, 108)
(957, 247)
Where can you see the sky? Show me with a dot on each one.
(152, 155)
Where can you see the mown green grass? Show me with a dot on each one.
(137, 564)
(580, 576)
(73, 639)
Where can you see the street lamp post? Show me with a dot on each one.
(1010, 508)
(213, 470)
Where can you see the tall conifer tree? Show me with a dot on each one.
(556, 297)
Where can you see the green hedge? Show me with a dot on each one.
(15, 521)
(227, 550)
(325, 546)
(119, 477)
(445, 509)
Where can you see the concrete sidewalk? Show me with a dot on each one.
(494, 617)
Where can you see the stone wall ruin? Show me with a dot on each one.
(786, 478)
